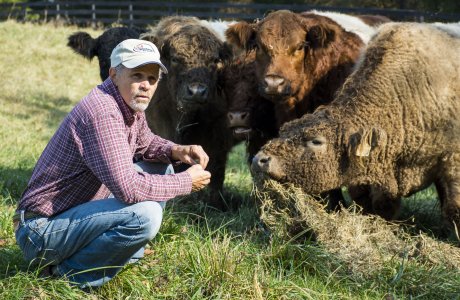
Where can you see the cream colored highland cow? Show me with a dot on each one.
(392, 130)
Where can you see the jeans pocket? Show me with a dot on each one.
(30, 239)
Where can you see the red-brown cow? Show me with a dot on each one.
(301, 59)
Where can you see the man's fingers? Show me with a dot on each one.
(199, 156)
(206, 175)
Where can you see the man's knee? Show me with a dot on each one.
(150, 214)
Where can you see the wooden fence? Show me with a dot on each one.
(141, 13)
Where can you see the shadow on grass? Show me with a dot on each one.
(13, 182)
(240, 219)
(11, 262)
(52, 109)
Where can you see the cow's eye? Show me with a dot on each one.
(175, 61)
(316, 142)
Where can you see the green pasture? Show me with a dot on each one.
(199, 253)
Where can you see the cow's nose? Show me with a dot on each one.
(273, 82)
(238, 118)
(197, 90)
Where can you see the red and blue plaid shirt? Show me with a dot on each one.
(91, 155)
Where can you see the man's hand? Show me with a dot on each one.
(200, 177)
(190, 154)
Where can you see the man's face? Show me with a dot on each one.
(136, 85)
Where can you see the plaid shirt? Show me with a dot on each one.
(91, 155)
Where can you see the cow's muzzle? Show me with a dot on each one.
(196, 92)
(274, 86)
(239, 122)
(268, 165)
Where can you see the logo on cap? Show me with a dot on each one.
(143, 47)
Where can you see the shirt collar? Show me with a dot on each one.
(129, 115)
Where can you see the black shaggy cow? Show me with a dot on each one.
(102, 46)
(189, 106)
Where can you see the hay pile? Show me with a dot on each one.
(364, 243)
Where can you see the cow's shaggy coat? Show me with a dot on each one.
(102, 46)
(189, 106)
(392, 130)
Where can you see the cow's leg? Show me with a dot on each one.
(334, 199)
(448, 188)
(216, 166)
(383, 204)
(361, 196)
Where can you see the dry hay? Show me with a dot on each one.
(364, 243)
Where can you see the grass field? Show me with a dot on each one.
(199, 253)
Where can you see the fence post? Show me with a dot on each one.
(93, 15)
(58, 12)
(131, 15)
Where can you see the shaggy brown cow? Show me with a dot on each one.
(393, 128)
(188, 106)
(251, 117)
(301, 59)
(102, 46)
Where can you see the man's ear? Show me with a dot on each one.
(363, 142)
(113, 74)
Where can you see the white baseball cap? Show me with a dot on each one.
(133, 53)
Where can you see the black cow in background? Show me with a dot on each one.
(102, 46)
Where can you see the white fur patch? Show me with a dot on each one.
(218, 27)
(451, 28)
(350, 23)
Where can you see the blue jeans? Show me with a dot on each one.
(91, 242)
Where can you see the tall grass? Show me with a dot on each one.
(199, 253)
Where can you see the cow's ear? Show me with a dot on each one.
(241, 35)
(151, 37)
(160, 42)
(320, 36)
(365, 141)
(225, 52)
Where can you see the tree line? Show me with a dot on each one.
(444, 6)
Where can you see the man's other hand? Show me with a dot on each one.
(200, 177)
(190, 154)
